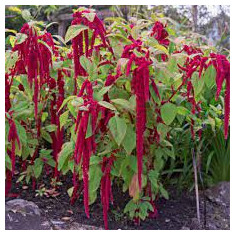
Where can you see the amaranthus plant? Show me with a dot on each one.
(104, 102)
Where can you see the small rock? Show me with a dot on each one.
(167, 220)
(22, 215)
(219, 194)
(78, 226)
(57, 222)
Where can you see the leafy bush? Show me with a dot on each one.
(108, 107)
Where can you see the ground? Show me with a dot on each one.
(179, 212)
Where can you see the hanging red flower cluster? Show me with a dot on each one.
(35, 59)
(222, 67)
(97, 27)
(85, 128)
(200, 63)
(106, 188)
(13, 137)
(140, 87)
(160, 34)
(7, 93)
(55, 104)
(190, 66)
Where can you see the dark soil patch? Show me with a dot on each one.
(176, 213)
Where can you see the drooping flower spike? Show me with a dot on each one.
(140, 87)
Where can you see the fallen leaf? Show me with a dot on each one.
(66, 218)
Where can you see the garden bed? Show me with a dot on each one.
(177, 213)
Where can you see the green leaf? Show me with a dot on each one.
(135, 32)
(70, 191)
(20, 38)
(182, 111)
(10, 31)
(59, 38)
(130, 206)
(107, 105)
(88, 65)
(65, 153)
(154, 43)
(92, 197)
(124, 103)
(118, 128)
(168, 113)
(26, 15)
(90, 16)
(164, 192)
(37, 167)
(129, 141)
(209, 76)
(12, 40)
(162, 130)
(73, 31)
(8, 161)
(198, 84)
(21, 132)
(85, 62)
(153, 177)
(64, 118)
(47, 46)
(89, 128)
(45, 135)
(10, 60)
(51, 128)
(95, 175)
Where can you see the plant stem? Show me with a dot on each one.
(196, 185)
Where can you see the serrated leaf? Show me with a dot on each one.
(168, 113)
(73, 31)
